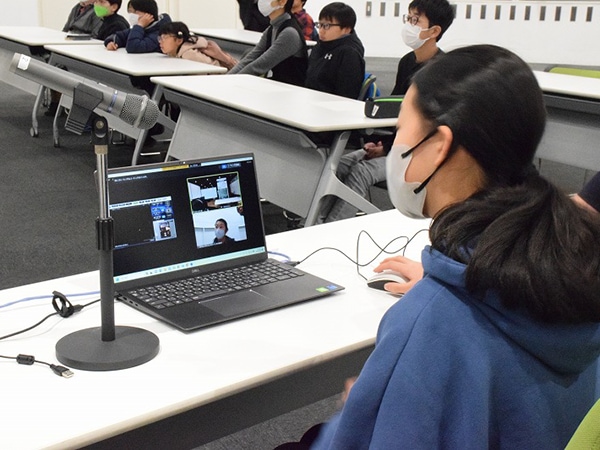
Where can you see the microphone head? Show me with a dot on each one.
(140, 109)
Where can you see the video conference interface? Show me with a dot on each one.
(169, 215)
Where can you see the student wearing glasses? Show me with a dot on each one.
(336, 65)
(281, 53)
(424, 25)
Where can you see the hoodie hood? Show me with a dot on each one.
(567, 349)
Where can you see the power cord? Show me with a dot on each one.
(63, 308)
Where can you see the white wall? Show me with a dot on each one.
(547, 41)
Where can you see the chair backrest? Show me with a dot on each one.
(587, 435)
(369, 87)
(590, 73)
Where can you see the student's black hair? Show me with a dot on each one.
(178, 29)
(519, 236)
(439, 12)
(339, 12)
(288, 6)
(147, 6)
(116, 2)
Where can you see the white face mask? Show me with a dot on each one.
(265, 8)
(410, 35)
(133, 19)
(219, 233)
(400, 191)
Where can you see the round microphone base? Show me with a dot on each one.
(85, 349)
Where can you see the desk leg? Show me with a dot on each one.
(166, 121)
(36, 106)
(329, 184)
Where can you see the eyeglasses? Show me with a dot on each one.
(326, 26)
(413, 20)
(162, 37)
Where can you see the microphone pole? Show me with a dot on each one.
(107, 347)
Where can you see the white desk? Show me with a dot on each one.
(244, 113)
(573, 128)
(205, 384)
(30, 41)
(234, 41)
(123, 71)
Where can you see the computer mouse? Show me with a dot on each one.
(378, 280)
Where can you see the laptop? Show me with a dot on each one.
(166, 218)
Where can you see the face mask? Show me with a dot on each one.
(410, 35)
(101, 11)
(400, 191)
(219, 233)
(265, 8)
(133, 19)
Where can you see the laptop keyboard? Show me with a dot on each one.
(210, 285)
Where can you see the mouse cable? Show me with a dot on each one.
(28, 360)
(63, 308)
(356, 262)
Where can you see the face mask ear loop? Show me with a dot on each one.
(428, 179)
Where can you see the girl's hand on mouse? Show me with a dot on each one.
(409, 269)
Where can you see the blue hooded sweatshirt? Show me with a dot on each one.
(450, 371)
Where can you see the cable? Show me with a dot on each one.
(65, 309)
(356, 262)
(29, 360)
(41, 297)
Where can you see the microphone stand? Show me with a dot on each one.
(107, 347)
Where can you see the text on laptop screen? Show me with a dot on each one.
(184, 216)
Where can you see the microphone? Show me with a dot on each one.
(138, 111)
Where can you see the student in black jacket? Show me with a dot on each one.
(336, 64)
(111, 21)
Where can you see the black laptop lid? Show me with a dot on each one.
(165, 216)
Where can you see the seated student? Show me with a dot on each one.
(305, 20)
(221, 230)
(142, 37)
(281, 53)
(176, 40)
(82, 19)
(497, 346)
(112, 22)
(424, 25)
(336, 65)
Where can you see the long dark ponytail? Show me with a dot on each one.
(520, 235)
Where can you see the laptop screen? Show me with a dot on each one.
(180, 218)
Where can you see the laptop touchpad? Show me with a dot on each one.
(239, 303)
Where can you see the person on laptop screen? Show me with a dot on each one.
(221, 230)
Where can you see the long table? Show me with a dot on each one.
(573, 128)
(206, 384)
(126, 72)
(281, 124)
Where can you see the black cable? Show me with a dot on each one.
(356, 262)
(28, 360)
(65, 309)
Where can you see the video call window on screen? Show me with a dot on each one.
(143, 221)
(213, 198)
